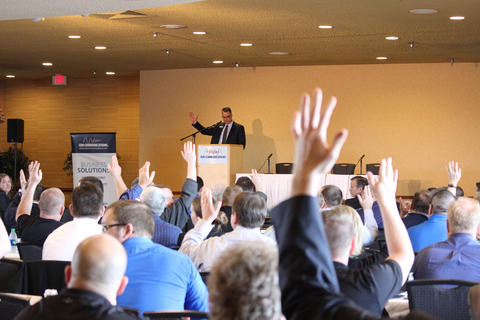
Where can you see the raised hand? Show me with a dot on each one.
(454, 173)
(257, 180)
(188, 152)
(34, 173)
(384, 185)
(145, 178)
(209, 210)
(114, 168)
(366, 198)
(23, 181)
(193, 117)
(313, 155)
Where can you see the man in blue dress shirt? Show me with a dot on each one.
(159, 278)
(459, 256)
(435, 228)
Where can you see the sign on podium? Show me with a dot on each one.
(219, 163)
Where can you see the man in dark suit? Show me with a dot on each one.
(357, 185)
(226, 132)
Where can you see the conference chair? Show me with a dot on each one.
(343, 168)
(174, 315)
(440, 298)
(284, 168)
(11, 275)
(29, 252)
(373, 167)
(10, 306)
(43, 274)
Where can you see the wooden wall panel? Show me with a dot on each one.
(84, 105)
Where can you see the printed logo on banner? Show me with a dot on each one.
(212, 154)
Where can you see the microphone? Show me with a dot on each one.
(264, 162)
(359, 161)
(271, 154)
(361, 158)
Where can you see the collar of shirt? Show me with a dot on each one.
(437, 217)
(137, 244)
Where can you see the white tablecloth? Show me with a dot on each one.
(278, 186)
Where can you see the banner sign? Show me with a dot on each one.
(91, 152)
(213, 154)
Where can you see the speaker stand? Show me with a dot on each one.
(15, 166)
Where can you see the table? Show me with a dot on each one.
(278, 187)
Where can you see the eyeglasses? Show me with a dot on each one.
(106, 227)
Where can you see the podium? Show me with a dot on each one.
(218, 163)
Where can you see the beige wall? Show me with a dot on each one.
(84, 105)
(422, 115)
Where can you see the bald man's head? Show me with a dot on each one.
(98, 264)
(51, 203)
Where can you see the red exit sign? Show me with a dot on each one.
(59, 80)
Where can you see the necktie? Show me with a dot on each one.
(225, 134)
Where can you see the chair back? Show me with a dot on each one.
(175, 315)
(10, 306)
(440, 298)
(284, 168)
(29, 252)
(343, 168)
(373, 168)
(43, 274)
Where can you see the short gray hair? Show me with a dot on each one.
(464, 215)
(243, 283)
(154, 198)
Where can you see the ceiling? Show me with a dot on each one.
(358, 35)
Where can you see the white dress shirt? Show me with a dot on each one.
(62, 242)
(204, 252)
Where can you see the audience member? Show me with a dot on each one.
(229, 195)
(249, 210)
(332, 196)
(243, 284)
(175, 212)
(11, 212)
(5, 188)
(435, 228)
(308, 281)
(200, 184)
(246, 184)
(459, 256)
(159, 278)
(419, 209)
(165, 233)
(454, 173)
(94, 279)
(34, 230)
(357, 185)
(87, 207)
(219, 224)
(371, 287)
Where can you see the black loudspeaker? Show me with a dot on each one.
(284, 168)
(15, 130)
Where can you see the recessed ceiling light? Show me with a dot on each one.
(47, 64)
(325, 27)
(100, 47)
(217, 61)
(199, 32)
(381, 58)
(72, 36)
(423, 11)
(279, 53)
(457, 18)
(391, 38)
(172, 26)
(10, 76)
(246, 44)
(110, 73)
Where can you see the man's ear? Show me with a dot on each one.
(102, 211)
(62, 210)
(122, 286)
(448, 228)
(70, 206)
(352, 247)
(430, 210)
(128, 231)
(234, 220)
(68, 274)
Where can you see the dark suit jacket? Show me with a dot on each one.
(235, 136)
(308, 280)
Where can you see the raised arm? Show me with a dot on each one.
(34, 178)
(116, 172)
(398, 243)
(454, 174)
(188, 154)
(370, 228)
(4, 241)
